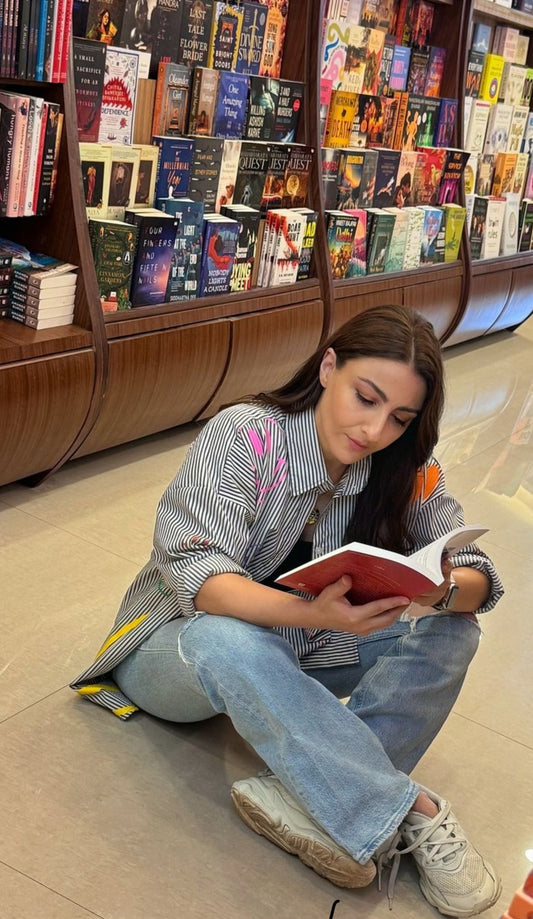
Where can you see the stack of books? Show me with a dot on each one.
(43, 292)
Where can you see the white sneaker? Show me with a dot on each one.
(266, 806)
(454, 877)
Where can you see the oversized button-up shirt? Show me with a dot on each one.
(238, 505)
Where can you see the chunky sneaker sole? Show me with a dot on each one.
(267, 808)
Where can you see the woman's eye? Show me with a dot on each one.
(401, 421)
(363, 399)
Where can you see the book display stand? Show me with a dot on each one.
(114, 377)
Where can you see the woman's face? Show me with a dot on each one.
(105, 18)
(365, 405)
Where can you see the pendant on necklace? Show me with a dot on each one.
(313, 517)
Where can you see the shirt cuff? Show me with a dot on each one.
(191, 578)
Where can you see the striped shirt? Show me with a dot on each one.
(238, 505)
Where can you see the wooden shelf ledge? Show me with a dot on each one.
(145, 319)
(18, 342)
(502, 13)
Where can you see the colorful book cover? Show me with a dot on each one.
(413, 242)
(253, 166)
(522, 162)
(404, 181)
(427, 129)
(88, 59)
(477, 125)
(230, 109)
(51, 146)
(205, 171)
(517, 128)
(95, 173)
(225, 36)
(122, 180)
(374, 43)
(297, 175)
(118, 97)
(220, 239)
(252, 38)
(155, 246)
(330, 157)
(512, 83)
(435, 72)
(104, 21)
(204, 93)
(431, 229)
(19, 105)
(379, 238)
(504, 172)
(357, 261)
(195, 32)
(445, 133)
(274, 187)
(418, 71)
(395, 253)
(455, 217)
(308, 244)
(275, 29)
(452, 173)
(386, 66)
(342, 110)
(367, 187)
(386, 178)
(412, 123)
(334, 48)
(355, 62)
(248, 219)
(171, 104)
(369, 121)
(485, 174)
(326, 89)
(340, 234)
(260, 122)
(184, 273)
(427, 175)
(7, 130)
(498, 127)
(113, 244)
(349, 176)
(525, 237)
(147, 174)
(401, 60)
(421, 23)
(289, 107)
(527, 92)
(174, 170)
(470, 174)
(390, 106)
(491, 77)
(474, 70)
(165, 25)
(228, 173)
(136, 30)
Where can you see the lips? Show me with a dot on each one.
(356, 444)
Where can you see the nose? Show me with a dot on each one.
(373, 427)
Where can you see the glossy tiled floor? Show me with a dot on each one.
(133, 821)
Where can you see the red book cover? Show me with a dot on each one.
(58, 44)
(66, 44)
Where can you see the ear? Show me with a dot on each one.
(328, 364)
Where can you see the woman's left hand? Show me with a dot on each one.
(434, 596)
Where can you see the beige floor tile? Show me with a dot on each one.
(60, 595)
(109, 499)
(498, 692)
(22, 898)
(138, 822)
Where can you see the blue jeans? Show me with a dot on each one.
(347, 764)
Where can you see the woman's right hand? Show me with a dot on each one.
(333, 610)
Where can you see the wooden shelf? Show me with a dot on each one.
(503, 263)
(206, 309)
(18, 342)
(503, 14)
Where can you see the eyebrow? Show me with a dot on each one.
(381, 394)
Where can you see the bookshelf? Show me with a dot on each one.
(113, 378)
(497, 292)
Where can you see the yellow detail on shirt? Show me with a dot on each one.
(123, 631)
(96, 687)
(125, 710)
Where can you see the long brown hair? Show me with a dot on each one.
(398, 334)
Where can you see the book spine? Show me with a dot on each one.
(24, 27)
(32, 41)
(17, 163)
(39, 150)
(41, 39)
(58, 44)
(66, 42)
(158, 99)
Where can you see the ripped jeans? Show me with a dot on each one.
(347, 764)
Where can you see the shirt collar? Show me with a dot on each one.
(307, 469)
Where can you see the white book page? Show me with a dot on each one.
(430, 557)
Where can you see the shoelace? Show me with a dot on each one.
(440, 849)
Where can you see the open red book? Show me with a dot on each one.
(378, 573)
